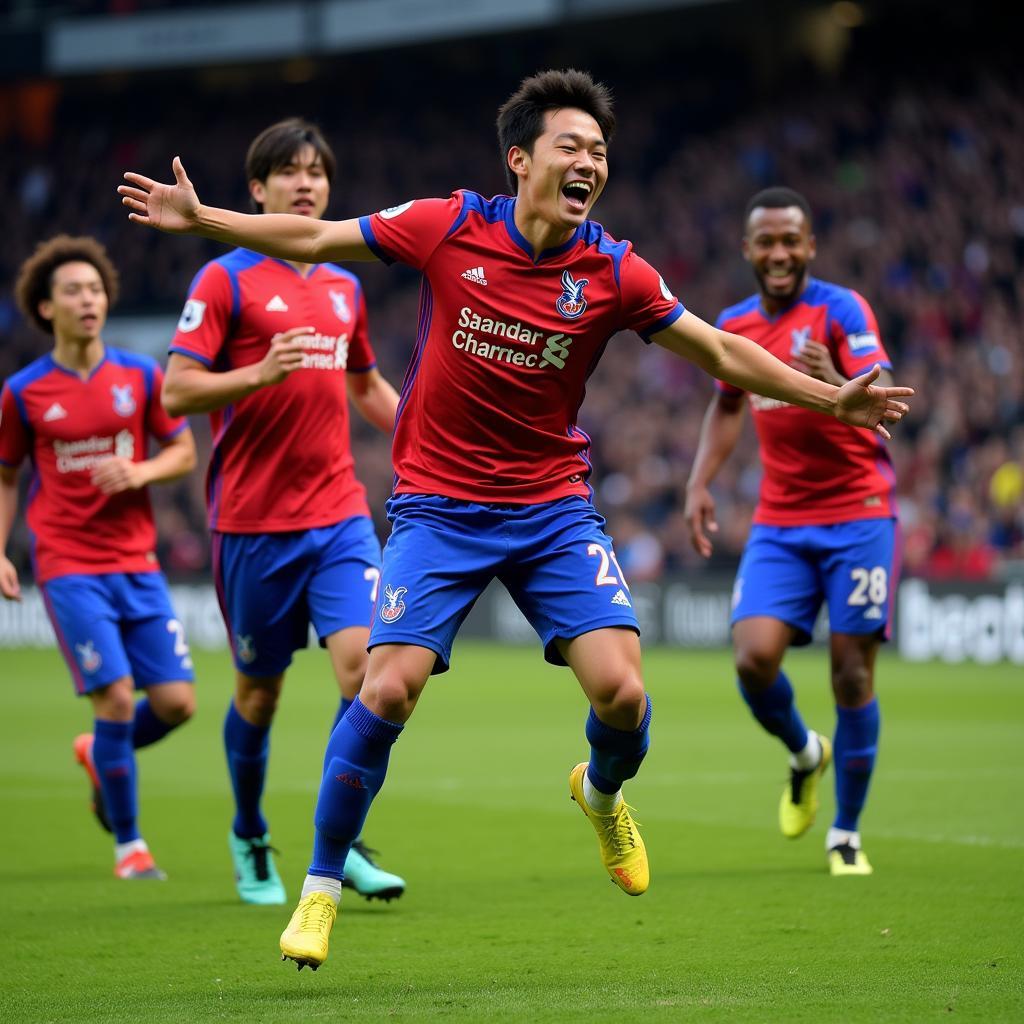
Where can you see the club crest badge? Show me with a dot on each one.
(245, 649)
(393, 607)
(572, 302)
(124, 400)
(799, 337)
(341, 310)
(88, 657)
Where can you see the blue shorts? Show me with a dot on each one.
(555, 559)
(117, 624)
(788, 571)
(272, 585)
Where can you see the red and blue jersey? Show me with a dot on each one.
(504, 345)
(816, 469)
(281, 456)
(67, 426)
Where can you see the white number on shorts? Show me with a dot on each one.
(869, 585)
(604, 578)
(374, 575)
(180, 643)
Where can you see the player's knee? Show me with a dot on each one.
(852, 686)
(756, 667)
(181, 707)
(621, 705)
(257, 704)
(389, 696)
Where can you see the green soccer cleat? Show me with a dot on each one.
(799, 804)
(845, 860)
(622, 848)
(309, 930)
(256, 878)
(363, 875)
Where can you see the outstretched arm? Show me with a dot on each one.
(739, 361)
(176, 209)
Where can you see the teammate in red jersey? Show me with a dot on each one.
(84, 414)
(274, 350)
(824, 528)
(520, 296)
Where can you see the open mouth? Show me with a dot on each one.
(303, 206)
(577, 194)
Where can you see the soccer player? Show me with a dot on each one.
(273, 351)
(825, 525)
(520, 296)
(83, 414)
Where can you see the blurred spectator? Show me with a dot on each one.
(919, 205)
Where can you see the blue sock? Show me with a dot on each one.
(342, 708)
(247, 747)
(855, 746)
(775, 709)
(114, 757)
(148, 727)
(615, 754)
(354, 768)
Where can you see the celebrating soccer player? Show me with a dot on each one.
(520, 296)
(825, 526)
(84, 414)
(273, 351)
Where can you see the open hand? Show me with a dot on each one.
(864, 404)
(174, 208)
(114, 475)
(699, 513)
(10, 588)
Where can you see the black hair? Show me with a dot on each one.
(521, 117)
(275, 147)
(776, 198)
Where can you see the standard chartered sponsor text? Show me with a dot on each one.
(512, 330)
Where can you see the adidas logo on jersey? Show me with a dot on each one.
(55, 412)
(476, 275)
(276, 305)
(874, 612)
(620, 598)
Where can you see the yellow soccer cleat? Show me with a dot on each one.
(845, 860)
(305, 939)
(622, 848)
(799, 803)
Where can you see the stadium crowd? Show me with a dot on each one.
(918, 192)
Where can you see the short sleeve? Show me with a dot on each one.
(411, 232)
(205, 321)
(648, 305)
(159, 422)
(853, 331)
(15, 439)
(361, 356)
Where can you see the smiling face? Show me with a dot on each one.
(779, 246)
(77, 306)
(300, 186)
(560, 180)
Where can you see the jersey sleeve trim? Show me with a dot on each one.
(361, 369)
(182, 351)
(172, 433)
(370, 239)
(660, 324)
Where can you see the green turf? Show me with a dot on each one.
(509, 916)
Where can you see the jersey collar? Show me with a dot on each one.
(517, 236)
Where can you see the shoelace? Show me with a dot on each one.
(619, 830)
(316, 914)
(258, 851)
(365, 852)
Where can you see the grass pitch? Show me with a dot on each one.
(508, 915)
